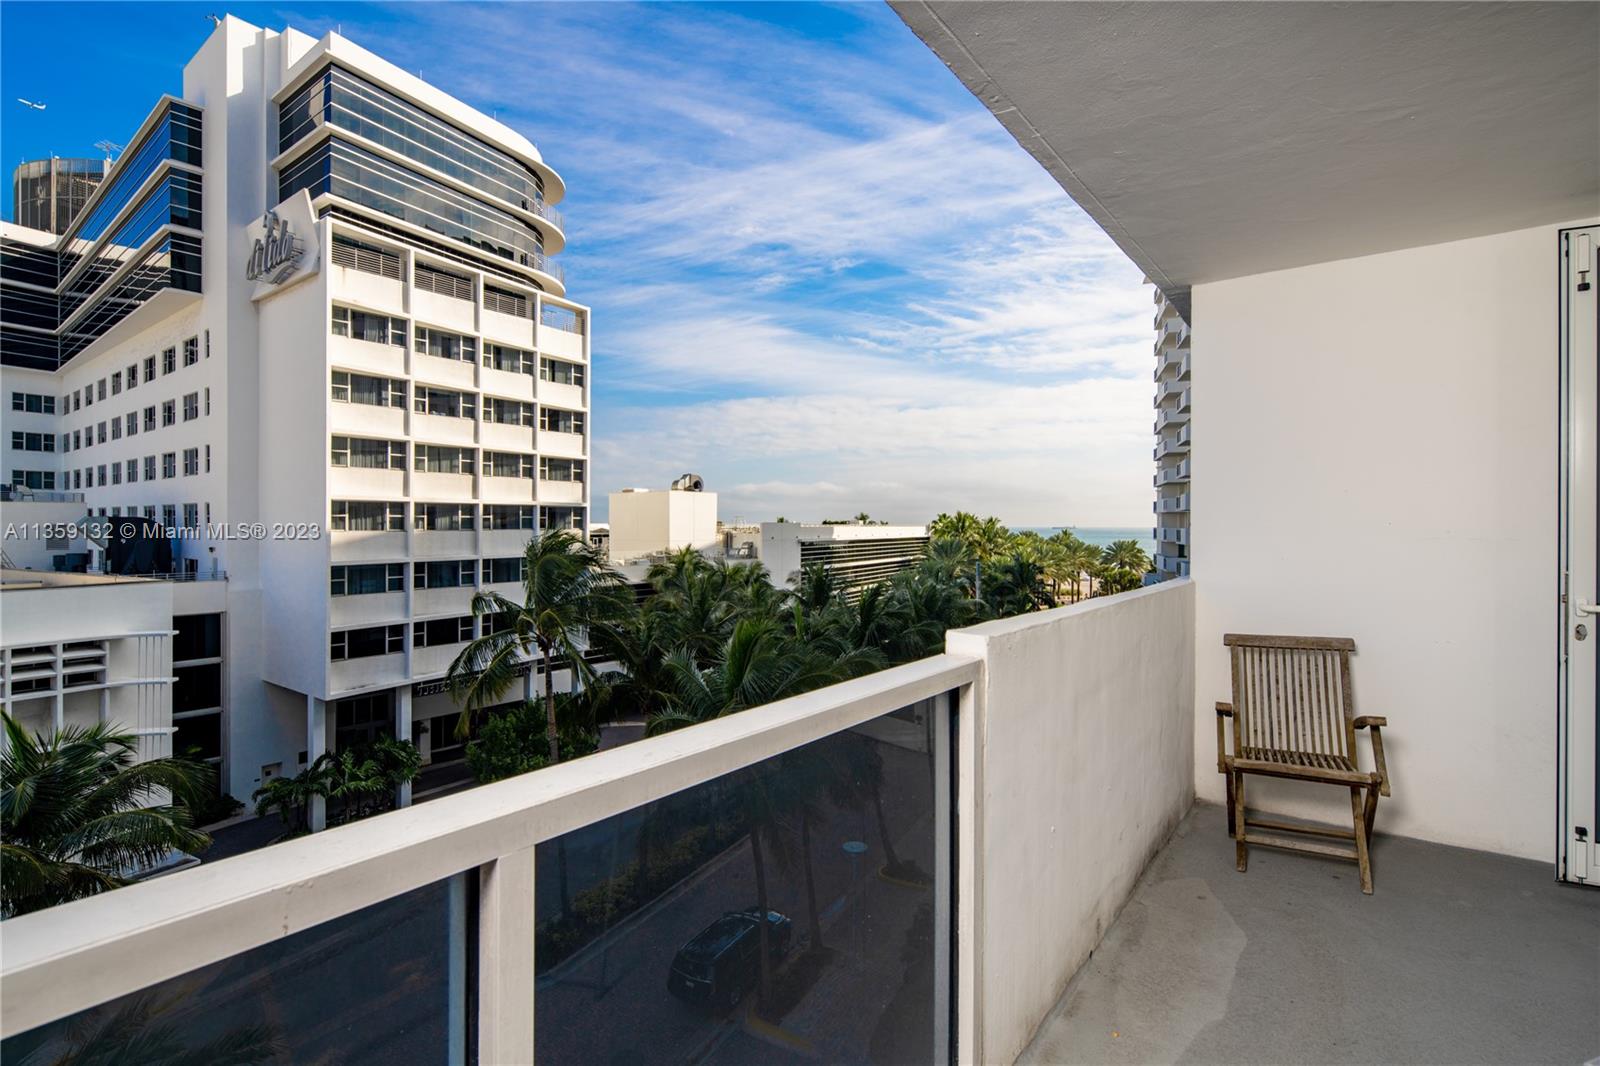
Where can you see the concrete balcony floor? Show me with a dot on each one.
(1460, 956)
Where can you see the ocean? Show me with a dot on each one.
(1100, 536)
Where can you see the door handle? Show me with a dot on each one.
(1587, 608)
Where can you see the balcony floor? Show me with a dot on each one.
(1460, 956)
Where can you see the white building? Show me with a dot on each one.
(1172, 440)
(647, 522)
(352, 379)
(856, 555)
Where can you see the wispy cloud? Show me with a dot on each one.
(823, 276)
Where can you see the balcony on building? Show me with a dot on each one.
(1027, 860)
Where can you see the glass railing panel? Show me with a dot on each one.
(387, 984)
(648, 935)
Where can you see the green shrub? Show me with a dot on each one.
(513, 742)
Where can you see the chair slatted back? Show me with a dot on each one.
(1293, 694)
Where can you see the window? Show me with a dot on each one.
(560, 372)
(365, 326)
(445, 345)
(208, 344)
(133, 470)
(133, 422)
(42, 480)
(191, 406)
(149, 419)
(369, 454)
(169, 360)
(116, 383)
(33, 442)
(367, 516)
(150, 368)
(501, 571)
(133, 375)
(444, 402)
(438, 459)
(366, 579)
(364, 388)
(199, 636)
(66, 442)
(507, 412)
(362, 643)
(444, 516)
(116, 477)
(88, 395)
(442, 575)
(169, 464)
(507, 464)
(511, 360)
(169, 412)
(100, 472)
(169, 515)
(208, 401)
(191, 462)
(77, 479)
(208, 460)
(191, 518)
(441, 631)
(561, 518)
(191, 351)
(100, 389)
(33, 403)
(561, 469)
(116, 429)
(149, 468)
(503, 516)
(77, 439)
(100, 433)
(555, 420)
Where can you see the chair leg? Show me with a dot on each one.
(1241, 856)
(1371, 811)
(1358, 822)
(1228, 776)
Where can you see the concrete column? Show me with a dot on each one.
(316, 746)
(402, 731)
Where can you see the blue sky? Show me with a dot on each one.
(823, 275)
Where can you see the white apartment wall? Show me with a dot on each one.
(661, 520)
(1082, 753)
(41, 383)
(1378, 460)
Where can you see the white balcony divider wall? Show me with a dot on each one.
(1394, 480)
(1072, 765)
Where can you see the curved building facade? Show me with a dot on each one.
(47, 194)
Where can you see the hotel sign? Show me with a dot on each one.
(276, 253)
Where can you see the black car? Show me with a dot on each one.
(722, 962)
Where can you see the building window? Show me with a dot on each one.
(504, 516)
(442, 517)
(191, 351)
(149, 419)
(116, 383)
(191, 518)
(561, 518)
(208, 401)
(169, 412)
(507, 412)
(100, 433)
(367, 516)
(150, 368)
(507, 464)
(363, 643)
(208, 344)
(441, 459)
(33, 403)
(42, 480)
(116, 476)
(77, 439)
(169, 515)
(442, 575)
(208, 462)
(555, 420)
(169, 360)
(511, 360)
(365, 326)
(444, 345)
(100, 389)
(560, 372)
(444, 402)
(502, 571)
(133, 375)
(149, 468)
(101, 474)
(191, 406)
(169, 464)
(88, 395)
(368, 454)
(364, 388)
(132, 422)
(367, 579)
(560, 469)
(116, 429)
(191, 462)
(133, 470)
(33, 442)
(439, 632)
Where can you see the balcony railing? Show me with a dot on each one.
(21, 494)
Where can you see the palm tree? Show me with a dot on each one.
(567, 589)
(1126, 555)
(1017, 586)
(78, 814)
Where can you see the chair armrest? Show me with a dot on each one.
(1224, 710)
(1376, 722)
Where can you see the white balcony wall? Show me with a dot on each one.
(560, 492)
(559, 395)
(426, 662)
(366, 420)
(364, 483)
(564, 445)
(367, 291)
(442, 429)
(369, 356)
(366, 609)
(443, 312)
(508, 490)
(368, 672)
(437, 487)
(560, 342)
(353, 546)
(502, 437)
(513, 386)
(511, 590)
(428, 602)
(1444, 573)
(1075, 768)
(503, 543)
(444, 543)
(437, 370)
(501, 328)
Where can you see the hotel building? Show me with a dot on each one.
(311, 321)
(1172, 440)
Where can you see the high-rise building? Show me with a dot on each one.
(311, 324)
(1172, 440)
(47, 194)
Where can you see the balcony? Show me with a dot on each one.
(1172, 504)
(1171, 417)
(560, 491)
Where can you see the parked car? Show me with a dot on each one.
(722, 962)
